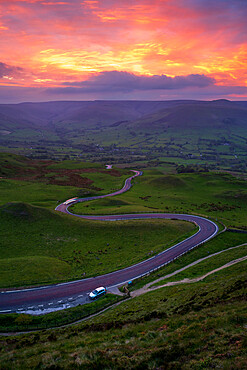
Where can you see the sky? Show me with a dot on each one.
(123, 49)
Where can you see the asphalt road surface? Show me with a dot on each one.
(59, 296)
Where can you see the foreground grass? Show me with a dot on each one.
(192, 326)
(22, 322)
(39, 246)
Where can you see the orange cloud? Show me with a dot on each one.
(72, 40)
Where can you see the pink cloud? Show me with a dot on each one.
(175, 38)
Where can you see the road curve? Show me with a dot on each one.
(11, 301)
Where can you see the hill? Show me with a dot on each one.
(181, 132)
(221, 114)
(64, 115)
(191, 325)
(92, 114)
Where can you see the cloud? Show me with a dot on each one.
(14, 94)
(126, 82)
(9, 71)
(68, 40)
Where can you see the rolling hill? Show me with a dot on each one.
(85, 113)
(123, 131)
(62, 117)
(221, 114)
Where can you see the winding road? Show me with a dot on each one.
(54, 297)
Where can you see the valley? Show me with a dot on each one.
(174, 133)
(197, 169)
(123, 173)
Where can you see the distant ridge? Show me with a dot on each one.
(91, 125)
(38, 115)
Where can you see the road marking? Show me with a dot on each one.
(25, 290)
(5, 311)
(69, 282)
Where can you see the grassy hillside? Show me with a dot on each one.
(43, 246)
(40, 246)
(195, 326)
(200, 115)
(226, 241)
(223, 241)
(207, 265)
(47, 183)
(60, 118)
(218, 195)
(200, 325)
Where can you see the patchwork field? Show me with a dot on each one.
(209, 133)
(48, 183)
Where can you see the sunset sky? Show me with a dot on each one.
(123, 49)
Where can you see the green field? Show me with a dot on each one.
(40, 246)
(183, 147)
(217, 195)
(190, 326)
(48, 183)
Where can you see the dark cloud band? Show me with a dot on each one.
(126, 82)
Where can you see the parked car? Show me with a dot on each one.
(98, 292)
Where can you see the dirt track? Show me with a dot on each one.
(148, 288)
